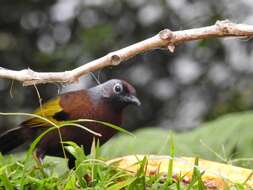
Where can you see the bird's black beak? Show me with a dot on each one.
(131, 99)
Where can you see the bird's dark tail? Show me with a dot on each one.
(13, 138)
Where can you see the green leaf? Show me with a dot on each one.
(6, 182)
(75, 150)
(121, 184)
(71, 184)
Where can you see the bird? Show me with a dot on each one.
(104, 102)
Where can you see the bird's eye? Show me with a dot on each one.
(117, 88)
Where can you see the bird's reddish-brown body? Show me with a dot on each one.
(104, 102)
(88, 108)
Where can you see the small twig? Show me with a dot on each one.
(95, 78)
(165, 39)
(40, 99)
(11, 89)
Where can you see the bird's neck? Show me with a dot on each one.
(108, 113)
(104, 111)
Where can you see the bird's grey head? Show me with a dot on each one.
(118, 92)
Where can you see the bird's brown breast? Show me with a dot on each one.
(82, 105)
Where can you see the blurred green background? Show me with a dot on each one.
(199, 82)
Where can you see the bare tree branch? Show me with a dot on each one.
(164, 39)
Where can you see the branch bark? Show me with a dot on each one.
(164, 39)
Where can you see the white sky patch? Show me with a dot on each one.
(61, 33)
(219, 74)
(186, 70)
(64, 10)
(163, 89)
(141, 74)
(46, 44)
(150, 14)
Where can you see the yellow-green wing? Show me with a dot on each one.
(47, 110)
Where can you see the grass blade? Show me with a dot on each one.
(107, 125)
(172, 155)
